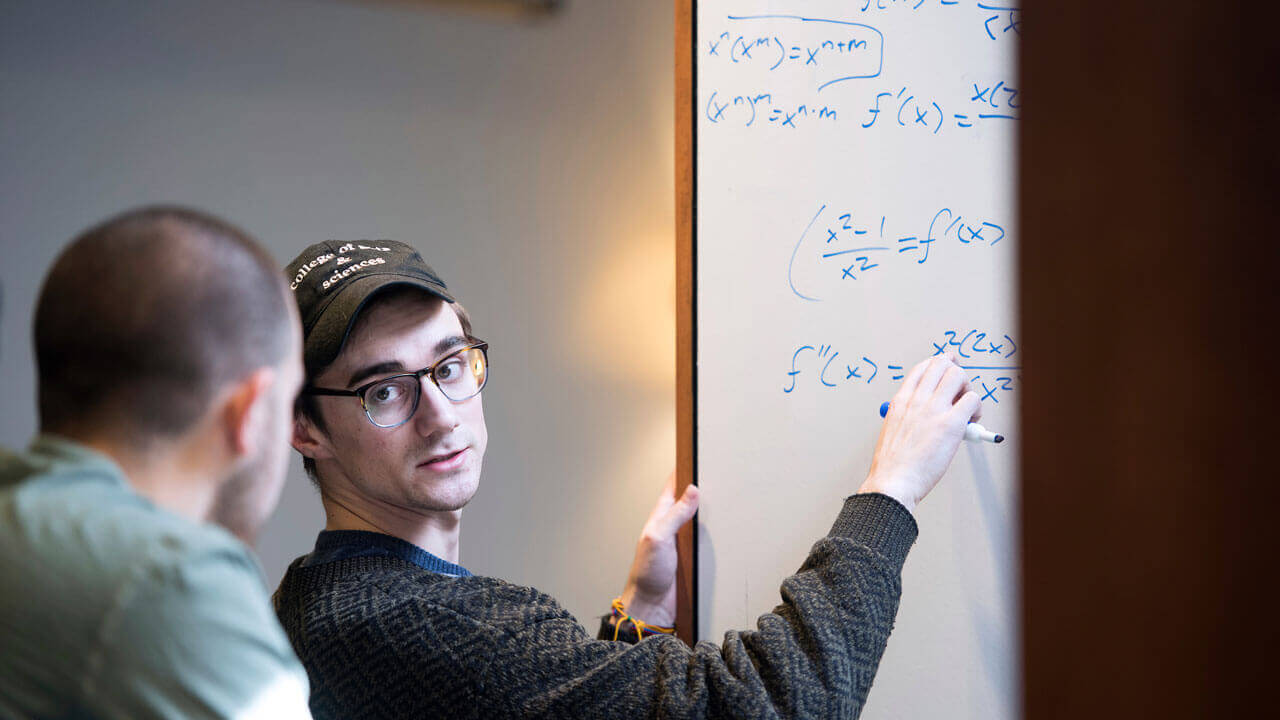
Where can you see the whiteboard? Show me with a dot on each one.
(854, 202)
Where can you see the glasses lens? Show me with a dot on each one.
(391, 401)
(462, 375)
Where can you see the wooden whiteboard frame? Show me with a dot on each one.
(686, 319)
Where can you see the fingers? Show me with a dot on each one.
(968, 408)
(933, 373)
(952, 385)
(909, 385)
(939, 379)
(952, 388)
(665, 498)
(680, 512)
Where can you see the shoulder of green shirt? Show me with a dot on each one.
(196, 628)
(178, 623)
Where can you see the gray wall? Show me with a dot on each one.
(531, 163)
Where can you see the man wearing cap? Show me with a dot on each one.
(391, 427)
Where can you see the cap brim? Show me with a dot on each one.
(324, 341)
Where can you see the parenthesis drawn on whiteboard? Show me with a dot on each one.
(791, 280)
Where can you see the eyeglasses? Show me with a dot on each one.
(391, 401)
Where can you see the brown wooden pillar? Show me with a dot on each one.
(1149, 213)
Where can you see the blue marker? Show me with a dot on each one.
(973, 431)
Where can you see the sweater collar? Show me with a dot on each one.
(333, 545)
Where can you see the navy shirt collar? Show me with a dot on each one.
(333, 545)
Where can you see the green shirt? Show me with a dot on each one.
(112, 607)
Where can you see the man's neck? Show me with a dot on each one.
(435, 531)
(167, 474)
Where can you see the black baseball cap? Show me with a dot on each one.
(333, 280)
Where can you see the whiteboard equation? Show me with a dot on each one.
(989, 357)
(846, 245)
(767, 52)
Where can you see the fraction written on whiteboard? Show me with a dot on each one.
(848, 245)
(989, 357)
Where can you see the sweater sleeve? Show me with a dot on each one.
(814, 655)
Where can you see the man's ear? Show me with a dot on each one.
(246, 412)
(310, 440)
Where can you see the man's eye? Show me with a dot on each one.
(450, 370)
(384, 393)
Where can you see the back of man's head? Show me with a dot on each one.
(144, 317)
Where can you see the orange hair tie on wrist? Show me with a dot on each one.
(643, 629)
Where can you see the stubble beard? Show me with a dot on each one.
(448, 493)
(248, 496)
(234, 506)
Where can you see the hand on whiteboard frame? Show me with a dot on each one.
(922, 431)
(651, 586)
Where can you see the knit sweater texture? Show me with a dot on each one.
(384, 638)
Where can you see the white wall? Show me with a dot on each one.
(531, 164)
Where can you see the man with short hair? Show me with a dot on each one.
(167, 359)
(389, 625)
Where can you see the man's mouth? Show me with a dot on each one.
(445, 461)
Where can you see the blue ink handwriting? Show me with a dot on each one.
(834, 50)
(854, 244)
(991, 375)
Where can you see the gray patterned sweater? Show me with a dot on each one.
(384, 638)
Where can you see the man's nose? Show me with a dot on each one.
(435, 411)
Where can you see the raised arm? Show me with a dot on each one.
(816, 654)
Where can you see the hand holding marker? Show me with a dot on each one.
(972, 431)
